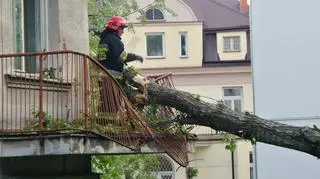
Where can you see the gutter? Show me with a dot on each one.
(232, 165)
(235, 28)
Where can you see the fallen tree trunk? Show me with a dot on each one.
(245, 125)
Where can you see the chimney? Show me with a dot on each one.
(244, 7)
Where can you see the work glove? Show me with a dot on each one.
(139, 58)
(133, 57)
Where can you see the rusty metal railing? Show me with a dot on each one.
(46, 92)
(64, 90)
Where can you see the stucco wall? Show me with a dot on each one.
(67, 22)
(232, 55)
(136, 43)
(6, 27)
(6, 45)
(73, 21)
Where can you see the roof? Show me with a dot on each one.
(219, 14)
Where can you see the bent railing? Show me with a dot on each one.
(64, 91)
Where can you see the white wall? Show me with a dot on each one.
(73, 21)
(6, 27)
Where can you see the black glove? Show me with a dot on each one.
(132, 57)
(139, 58)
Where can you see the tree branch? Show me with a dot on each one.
(248, 126)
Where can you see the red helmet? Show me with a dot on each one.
(116, 22)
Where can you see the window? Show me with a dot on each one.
(30, 31)
(183, 44)
(154, 14)
(231, 44)
(155, 45)
(166, 169)
(232, 98)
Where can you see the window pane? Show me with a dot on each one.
(226, 44)
(232, 91)
(31, 36)
(158, 15)
(183, 45)
(236, 44)
(228, 103)
(18, 24)
(149, 14)
(237, 105)
(154, 45)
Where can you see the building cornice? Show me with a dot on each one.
(227, 29)
(198, 70)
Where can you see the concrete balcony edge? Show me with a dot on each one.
(67, 144)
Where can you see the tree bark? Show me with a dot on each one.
(245, 125)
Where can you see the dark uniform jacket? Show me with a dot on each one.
(111, 53)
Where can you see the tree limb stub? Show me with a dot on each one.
(248, 126)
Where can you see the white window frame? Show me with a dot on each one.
(231, 46)
(163, 45)
(185, 34)
(233, 98)
(150, 20)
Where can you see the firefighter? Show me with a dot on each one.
(111, 52)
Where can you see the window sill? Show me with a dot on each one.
(155, 20)
(32, 81)
(232, 51)
(184, 57)
(155, 58)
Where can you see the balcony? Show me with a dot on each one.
(70, 95)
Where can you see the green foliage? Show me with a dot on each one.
(154, 118)
(192, 172)
(231, 142)
(49, 73)
(47, 121)
(220, 105)
(197, 96)
(50, 123)
(138, 166)
(253, 141)
(133, 69)
(93, 44)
